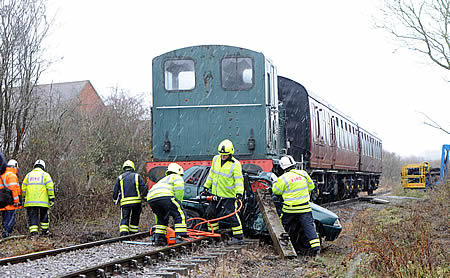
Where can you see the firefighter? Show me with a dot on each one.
(295, 186)
(225, 180)
(39, 196)
(165, 199)
(130, 189)
(10, 180)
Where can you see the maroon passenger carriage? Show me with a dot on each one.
(341, 157)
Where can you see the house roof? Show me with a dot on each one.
(65, 91)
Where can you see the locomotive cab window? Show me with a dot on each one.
(237, 73)
(179, 75)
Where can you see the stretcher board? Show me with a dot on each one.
(281, 241)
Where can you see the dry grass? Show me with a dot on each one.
(409, 241)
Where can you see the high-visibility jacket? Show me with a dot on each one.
(227, 180)
(10, 180)
(131, 187)
(294, 186)
(170, 186)
(37, 188)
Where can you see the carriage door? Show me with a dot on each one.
(320, 139)
(333, 143)
(271, 108)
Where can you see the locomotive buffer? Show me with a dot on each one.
(280, 237)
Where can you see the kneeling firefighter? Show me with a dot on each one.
(226, 181)
(130, 188)
(165, 199)
(294, 186)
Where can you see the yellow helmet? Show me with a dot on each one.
(175, 168)
(129, 164)
(226, 147)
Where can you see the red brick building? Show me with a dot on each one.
(80, 94)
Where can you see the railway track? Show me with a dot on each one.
(43, 254)
(120, 257)
(365, 198)
(171, 261)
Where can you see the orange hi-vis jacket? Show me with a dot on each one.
(9, 178)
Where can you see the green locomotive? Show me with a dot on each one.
(205, 94)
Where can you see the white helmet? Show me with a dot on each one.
(175, 168)
(13, 163)
(286, 162)
(39, 162)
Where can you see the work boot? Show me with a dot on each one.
(34, 234)
(44, 233)
(5, 234)
(160, 240)
(235, 241)
(314, 253)
(123, 233)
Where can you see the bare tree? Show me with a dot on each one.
(84, 152)
(420, 25)
(433, 123)
(23, 28)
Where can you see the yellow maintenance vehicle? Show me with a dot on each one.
(421, 175)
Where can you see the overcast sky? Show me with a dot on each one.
(328, 46)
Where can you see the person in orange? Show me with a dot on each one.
(10, 180)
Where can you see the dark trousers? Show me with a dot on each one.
(8, 220)
(295, 224)
(225, 206)
(37, 216)
(163, 208)
(129, 221)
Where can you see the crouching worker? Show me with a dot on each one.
(165, 199)
(130, 189)
(294, 187)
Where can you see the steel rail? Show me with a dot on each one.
(41, 254)
(148, 258)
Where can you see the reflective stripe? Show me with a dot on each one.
(296, 198)
(297, 189)
(229, 175)
(231, 187)
(36, 202)
(286, 182)
(314, 243)
(134, 228)
(180, 211)
(123, 228)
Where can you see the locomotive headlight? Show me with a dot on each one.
(337, 223)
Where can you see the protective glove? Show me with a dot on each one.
(51, 202)
(205, 192)
(239, 196)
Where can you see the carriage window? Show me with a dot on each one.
(237, 73)
(179, 75)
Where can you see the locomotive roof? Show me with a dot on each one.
(211, 46)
